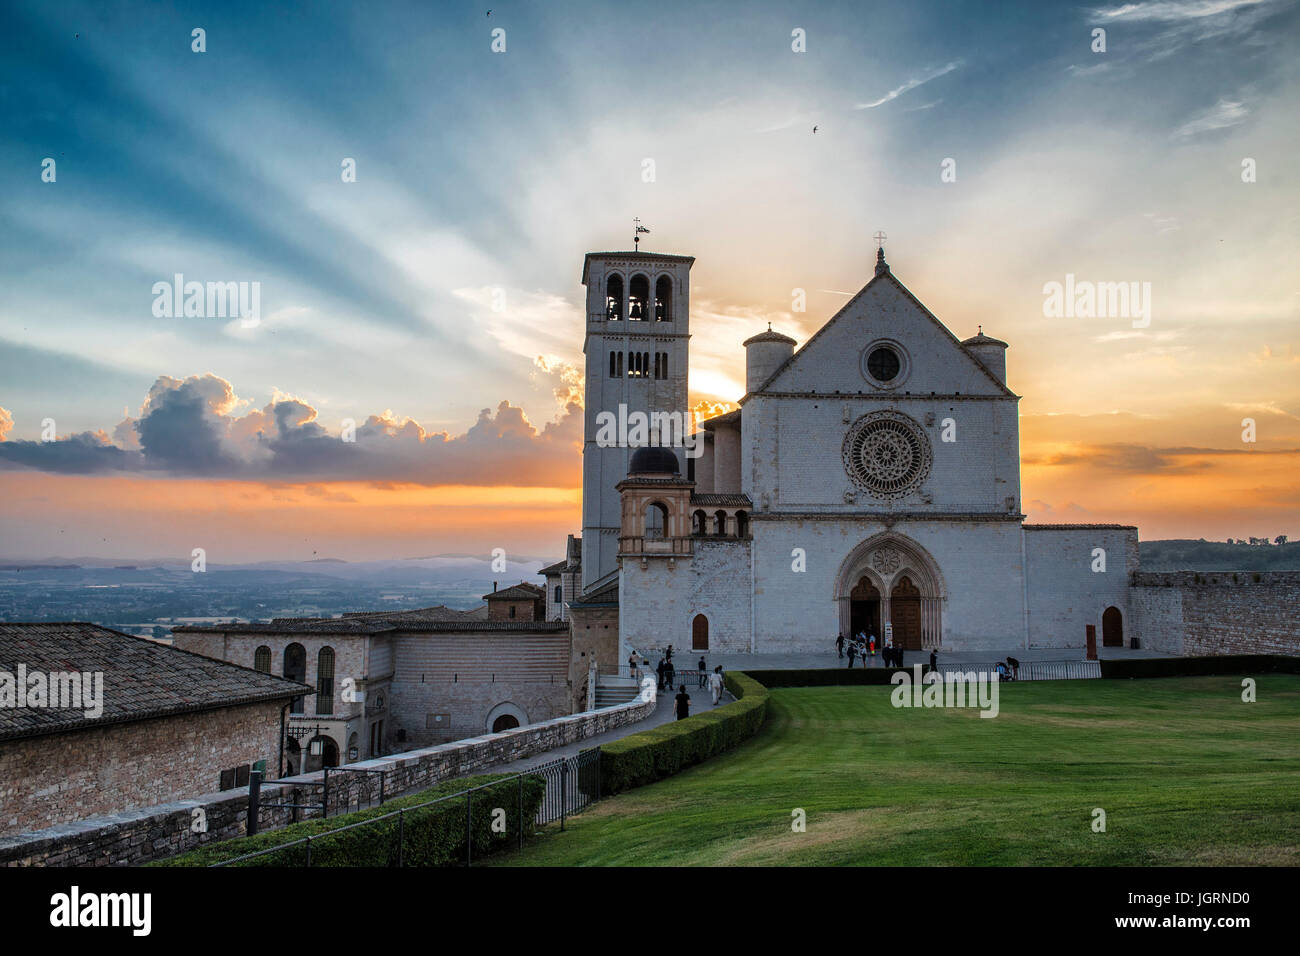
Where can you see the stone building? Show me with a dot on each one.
(869, 482)
(392, 681)
(93, 721)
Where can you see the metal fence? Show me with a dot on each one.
(1034, 670)
(572, 783)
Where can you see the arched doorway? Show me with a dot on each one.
(328, 755)
(864, 609)
(505, 722)
(905, 606)
(700, 633)
(1112, 628)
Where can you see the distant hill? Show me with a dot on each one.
(1186, 554)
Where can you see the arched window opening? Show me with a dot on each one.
(512, 610)
(505, 722)
(638, 298)
(656, 520)
(719, 522)
(295, 668)
(325, 681)
(663, 299)
(613, 364)
(700, 522)
(742, 524)
(614, 298)
(262, 659)
(559, 591)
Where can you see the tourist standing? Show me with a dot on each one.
(670, 672)
(839, 645)
(668, 655)
(659, 668)
(683, 703)
(934, 659)
(853, 652)
(703, 672)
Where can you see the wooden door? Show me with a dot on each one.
(1112, 628)
(905, 610)
(700, 633)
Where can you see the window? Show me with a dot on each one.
(613, 365)
(558, 592)
(742, 524)
(638, 299)
(700, 522)
(661, 365)
(512, 610)
(614, 298)
(719, 522)
(295, 668)
(663, 299)
(883, 364)
(656, 520)
(262, 659)
(325, 681)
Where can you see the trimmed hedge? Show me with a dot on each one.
(1200, 666)
(662, 751)
(432, 836)
(829, 676)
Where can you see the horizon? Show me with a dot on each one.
(434, 301)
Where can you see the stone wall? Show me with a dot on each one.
(157, 832)
(1065, 593)
(59, 778)
(1218, 612)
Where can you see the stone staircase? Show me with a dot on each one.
(611, 691)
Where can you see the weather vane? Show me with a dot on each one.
(636, 236)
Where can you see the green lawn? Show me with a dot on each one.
(1186, 772)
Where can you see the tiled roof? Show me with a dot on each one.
(143, 679)
(726, 418)
(523, 591)
(733, 500)
(607, 594)
(555, 568)
(438, 613)
(295, 625)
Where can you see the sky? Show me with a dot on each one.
(436, 301)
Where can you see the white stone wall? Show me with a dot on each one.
(1065, 594)
(1158, 618)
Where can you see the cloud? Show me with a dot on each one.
(1221, 115)
(199, 427)
(910, 85)
(1166, 11)
(6, 422)
(1133, 459)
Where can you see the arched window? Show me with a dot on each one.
(613, 365)
(614, 297)
(742, 524)
(295, 668)
(656, 520)
(664, 363)
(663, 299)
(512, 610)
(638, 298)
(559, 591)
(700, 522)
(719, 522)
(325, 681)
(262, 659)
(505, 722)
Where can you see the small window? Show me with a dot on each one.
(883, 364)
(325, 681)
(663, 299)
(262, 659)
(512, 610)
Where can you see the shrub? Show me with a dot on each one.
(431, 835)
(662, 751)
(828, 676)
(1200, 666)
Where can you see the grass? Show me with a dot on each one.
(1187, 773)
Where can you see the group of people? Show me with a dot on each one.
(1008, 669)
(863, 645)
(667, 674)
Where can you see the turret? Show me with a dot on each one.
(764, 354)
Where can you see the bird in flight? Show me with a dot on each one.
(814, 130)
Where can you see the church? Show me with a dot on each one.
(868, 482)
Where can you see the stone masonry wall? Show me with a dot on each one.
(1219, 612)
(60, 778)
(157, 832)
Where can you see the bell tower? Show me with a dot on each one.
(638, 329)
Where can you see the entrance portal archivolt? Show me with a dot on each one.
(890, 579)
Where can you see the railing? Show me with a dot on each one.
(1034, 670)
(638, 544)
(572, 784)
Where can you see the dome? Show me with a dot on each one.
(653, 460)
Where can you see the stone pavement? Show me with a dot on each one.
(664, 712)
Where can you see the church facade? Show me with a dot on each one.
(868, 483)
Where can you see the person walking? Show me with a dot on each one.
(704, 675)
(683, 703)
(668, 655)
(661, 670)
(715, 685)
(839, 645)
(1015, 668)
(670, 673)
(853, 652)
(934, 659)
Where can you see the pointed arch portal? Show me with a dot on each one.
(890, 579)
